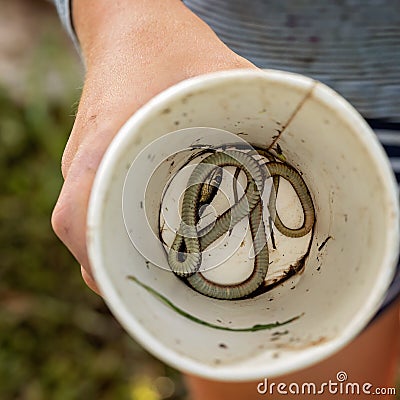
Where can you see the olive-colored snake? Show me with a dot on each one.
(184, 256)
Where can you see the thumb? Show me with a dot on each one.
(70, 212)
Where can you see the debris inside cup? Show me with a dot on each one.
(193, 318)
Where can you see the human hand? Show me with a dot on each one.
(132, 50)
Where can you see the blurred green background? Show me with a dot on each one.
(57, 338)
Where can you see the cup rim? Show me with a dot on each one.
(104, 175)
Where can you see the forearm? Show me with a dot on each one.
(152, 30)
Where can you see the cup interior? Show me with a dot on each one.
(353, 248)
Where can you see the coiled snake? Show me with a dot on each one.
(184, 256)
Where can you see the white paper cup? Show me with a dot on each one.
(354, 246)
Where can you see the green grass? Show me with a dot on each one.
(57, 339)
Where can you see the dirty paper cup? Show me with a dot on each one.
(336, 276)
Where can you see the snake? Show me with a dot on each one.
(184, 256)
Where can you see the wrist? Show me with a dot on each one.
(104, 26)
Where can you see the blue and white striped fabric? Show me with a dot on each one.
(64, 11)
(351, 45)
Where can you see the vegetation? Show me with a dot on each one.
(57, 339)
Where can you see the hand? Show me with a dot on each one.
(132, 51)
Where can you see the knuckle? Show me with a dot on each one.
(67, 157)
(60, 221)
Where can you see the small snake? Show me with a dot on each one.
(294, 178)
(185, 264)
(184, 256)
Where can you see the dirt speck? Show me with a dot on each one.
(322, 245)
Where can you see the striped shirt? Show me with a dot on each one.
(351, 45)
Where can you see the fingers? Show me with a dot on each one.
(88, 279)
(70, 213)
(101, 114)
